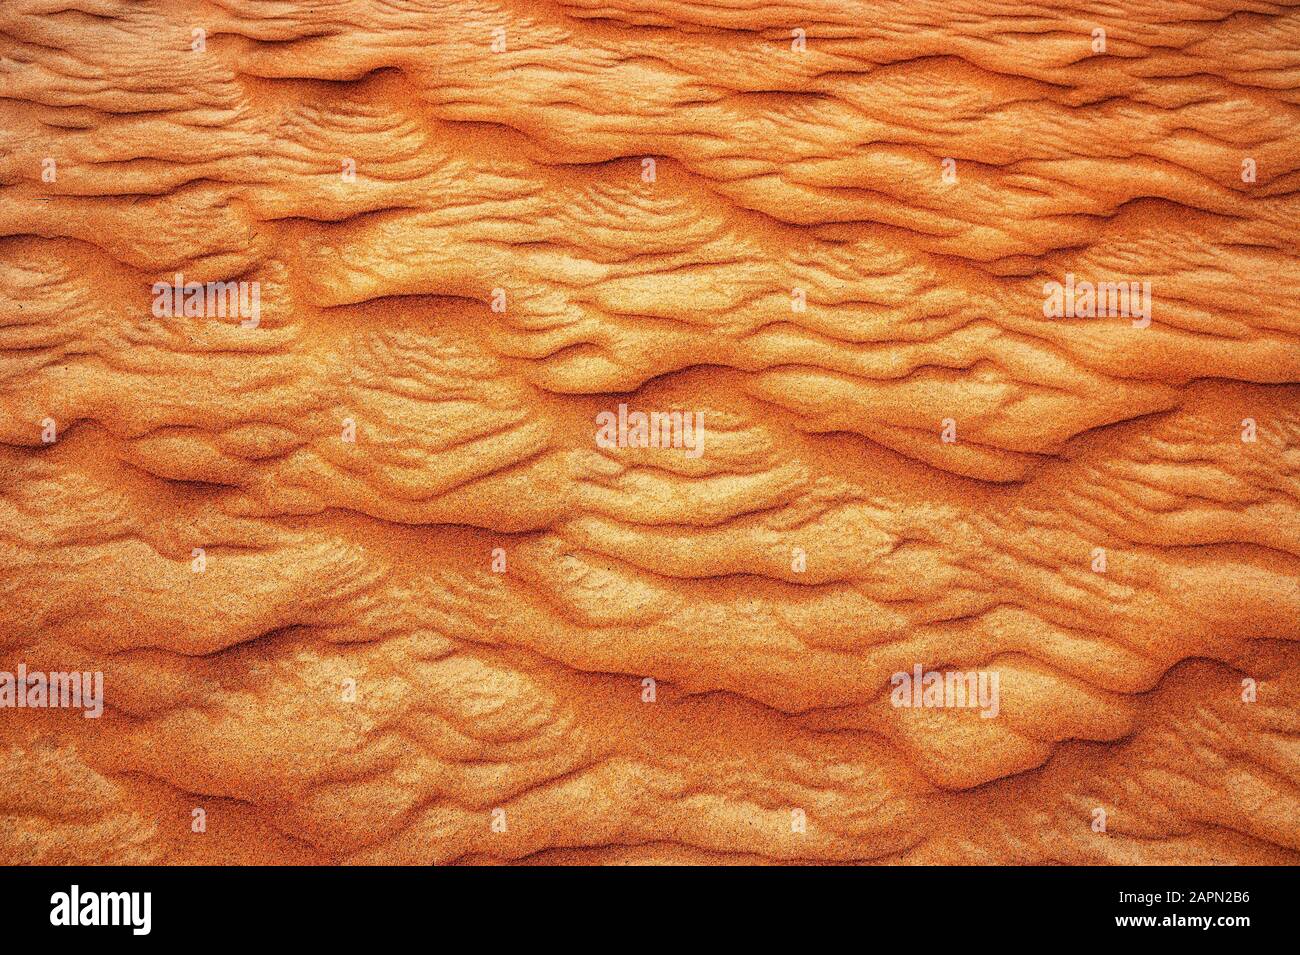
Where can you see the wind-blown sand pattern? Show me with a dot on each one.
(363, 585)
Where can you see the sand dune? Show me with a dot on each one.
(326, 330)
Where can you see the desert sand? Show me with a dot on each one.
(987, 318)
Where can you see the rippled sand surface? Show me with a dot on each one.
(365, 584)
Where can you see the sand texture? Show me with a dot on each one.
(366, 585)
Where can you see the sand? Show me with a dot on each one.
(340, 348)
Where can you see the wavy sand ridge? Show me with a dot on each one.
(363, 584)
